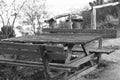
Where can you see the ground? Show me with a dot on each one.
(110, 64)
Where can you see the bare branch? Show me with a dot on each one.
(14, 20)
(29, 17)
(7, 11)
(22, 5)
(18, 13)
(11, 4)
(38, 21)
(2, 20)
(33, 11)
(30, 7)
(8, 22)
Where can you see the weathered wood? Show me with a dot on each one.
(29, 64)
(45, 63)
(36, 64)
(36, 50)
(93, 50)
(86, 53)
(78, 74)
(29, 46)
(25, 46)
(58, 76)
(57, 30)
(55, 38)
(106, 5)
(33, 50)
(54, 49)
(105, 33)
(66, 39)
(74, 64)
(93, 16)
(100, 41)
(34, 54)
(118, 12)
(93, 19)
(78, 61)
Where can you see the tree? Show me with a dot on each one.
(34, 12)
(8, 15)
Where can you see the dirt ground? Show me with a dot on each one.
(110, 64)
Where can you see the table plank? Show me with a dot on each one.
(55, 38)
(106, 33)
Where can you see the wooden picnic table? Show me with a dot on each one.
(68, 40)
(55, 38)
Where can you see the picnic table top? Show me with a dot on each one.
(55, 38)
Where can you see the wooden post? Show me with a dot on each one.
(106, 5)
(45, 63)
(118, 9)
(93, 13)
(93, 18)
(70, 21)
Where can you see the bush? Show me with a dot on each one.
(7, 32)
(86, 19)
(100, 15)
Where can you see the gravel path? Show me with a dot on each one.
(111, 68)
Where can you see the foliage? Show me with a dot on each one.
(34, 13)
(7, 32)
(9, 13)
(101, 16)
(86, 19)
(20, 73)
(103, 12)
(8, 16)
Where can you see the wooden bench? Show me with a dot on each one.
(93, 50)
(27, 53)
(105, 33)
(42, 57)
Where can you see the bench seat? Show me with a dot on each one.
(93, 50)
(24, 54)
(44, 54)
(73, 64)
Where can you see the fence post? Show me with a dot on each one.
(70, 21)
(93, 19)
(118, 9)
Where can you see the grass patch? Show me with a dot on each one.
(103, 66)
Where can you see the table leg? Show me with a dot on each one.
(45, 63)
(99, 46)
(69, 52)
(100, 43)
(86, 53)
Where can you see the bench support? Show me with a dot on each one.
(45, 63)
(86, 53)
